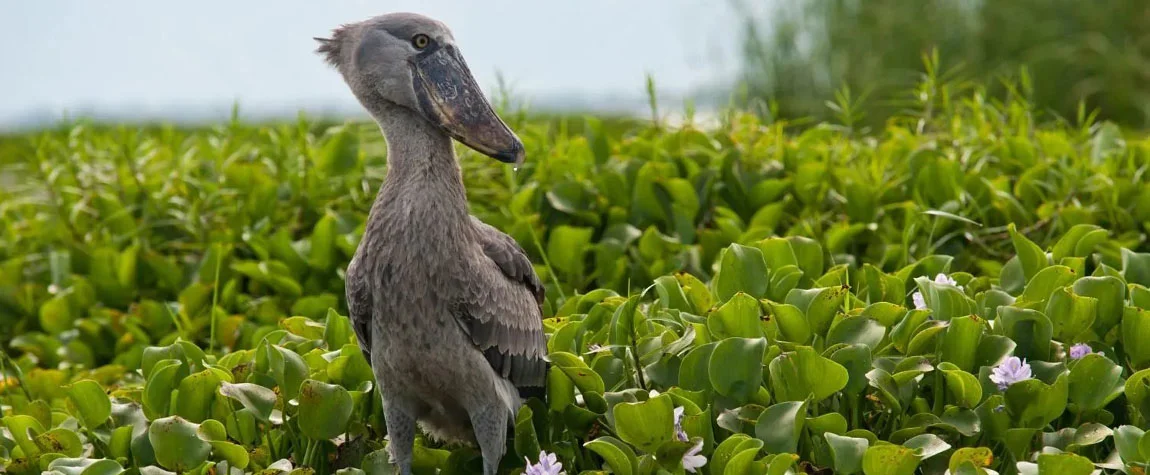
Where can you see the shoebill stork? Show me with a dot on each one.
(446, 308)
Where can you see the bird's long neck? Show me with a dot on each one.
(423, 191)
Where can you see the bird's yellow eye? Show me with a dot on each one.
(420, 41)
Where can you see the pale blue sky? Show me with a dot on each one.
(163, 59)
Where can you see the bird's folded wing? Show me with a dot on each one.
(501, 312)
(359, 306)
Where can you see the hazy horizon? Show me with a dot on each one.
(137, 60)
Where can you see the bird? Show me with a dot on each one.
(446, 308)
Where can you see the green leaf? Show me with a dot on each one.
(961, 341)
(1078, 241)
(781, 426)
(819, 305)
(526, 439)
(1138, 391)
(1136, 337)
(1031, 330)
(619, 456)
(741, 269)
(1110, 293)
(1094, 382)
(586, 379)
(646, 424)
(259, 400)
(1136, 267)
(809, 254)
(177, 444)
(739, 317)
(92, 405)
(847, 452)
(963, 386)
(566, 247)
(926, 445)
(60, 441)
(1043, 284)
(56, 315)
(321, 253)
(287, 368)
(890, 460)
(1033, 404)
(197, 393)
(944, 300)
(977, 456)
(1126, 440)
(736, 367)
(1030, 256)
(803, 373)
(1070, 314)
(1069, 464)
(856, 330)
(793, 325)
(158, 387)
(324, 409)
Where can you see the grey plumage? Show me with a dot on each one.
(446, 308)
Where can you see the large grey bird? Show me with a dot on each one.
(446, 308)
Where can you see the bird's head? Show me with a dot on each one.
(411, 61)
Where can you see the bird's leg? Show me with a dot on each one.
(490, 425)
(401, 435)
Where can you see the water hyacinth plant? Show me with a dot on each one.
(743, 299)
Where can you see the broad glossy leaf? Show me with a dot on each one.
(736, 367)
(1033, 404)
(1136, 336)
(964, 387)
(1031, 330)
(741, 269)
(803, 373)
(587, 380)
(646, 424)
(1070, 314)
(260, 400)
(1094, 382)
(60, 441)
(1030, 256)
(977, 456)
(324, 409)
(619, 456)
(961, 341)
(92, 405)
(1069, 464)
(177, 444)
(739, 317)
(781, 425)
(819, 305)
(847, 452)
(1110, 293)
(926, 445)
(857, 330)
(197, 393)
(890, 460)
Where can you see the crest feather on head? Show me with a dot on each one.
(332, 48)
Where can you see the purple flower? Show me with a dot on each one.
(1009, 372)
(679, 432)
(1080, 350)
(919, 301)
(945, 279)
(548, 465)
(692, 460)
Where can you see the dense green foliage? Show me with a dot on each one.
(1096, 52)
(171, 299)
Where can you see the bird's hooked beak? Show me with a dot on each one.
(449, 97)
